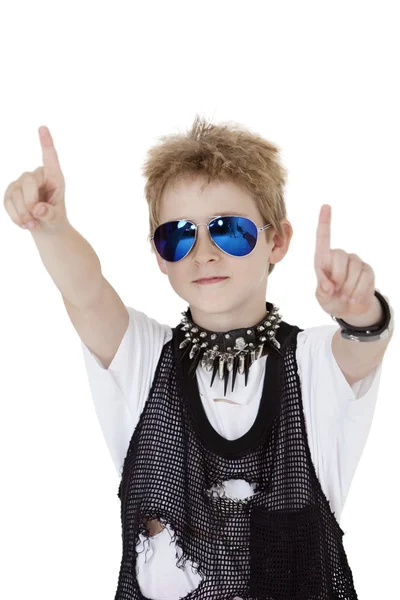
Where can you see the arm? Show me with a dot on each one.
(346, 289)
(72, 264)
(96, 311)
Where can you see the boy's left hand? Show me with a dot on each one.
(344, 274)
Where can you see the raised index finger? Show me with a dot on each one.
(323, 243)
(50, 159)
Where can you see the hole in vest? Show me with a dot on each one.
(153, 526)
(157, 556)
(235, 489)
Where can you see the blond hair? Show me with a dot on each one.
(224, 152)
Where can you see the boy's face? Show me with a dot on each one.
(230, 303)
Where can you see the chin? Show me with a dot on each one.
(213, 304)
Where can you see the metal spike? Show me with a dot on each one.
(215, 369)
(241, 364)
(246, 368)
(252, 356)
(276, 352)
(230, 363)
(259, 351)
(234, 370)
(210, 362)
(221, 367)
(195, 362)
(184, 343)
(185, 352)
(193, 350)
(226, 378)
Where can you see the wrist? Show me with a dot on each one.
(369, 319)
(59, 228)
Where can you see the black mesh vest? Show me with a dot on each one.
(282, 543)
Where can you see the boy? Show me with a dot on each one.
(233, 429)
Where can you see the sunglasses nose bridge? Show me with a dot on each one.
(202, 223)
(198, 241)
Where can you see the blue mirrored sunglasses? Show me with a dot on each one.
(236, 236)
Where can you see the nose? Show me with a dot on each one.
(204, 248)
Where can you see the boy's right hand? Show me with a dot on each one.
(42, 188)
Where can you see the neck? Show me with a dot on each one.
(229, 320)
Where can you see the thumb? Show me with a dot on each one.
(43, 211)
(49, 217)
(326, 286)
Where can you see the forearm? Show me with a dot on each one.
(72, 264)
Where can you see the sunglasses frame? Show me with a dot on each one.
(207, 223)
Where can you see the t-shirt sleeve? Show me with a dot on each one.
(338, 415)
(119, 393)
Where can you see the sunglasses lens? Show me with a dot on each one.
(236, 236)
(174, 240)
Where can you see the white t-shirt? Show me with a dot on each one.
(338, 418)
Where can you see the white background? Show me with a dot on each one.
(321, 80)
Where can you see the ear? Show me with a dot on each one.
(281, 243)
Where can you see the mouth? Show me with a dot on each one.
(210, 280)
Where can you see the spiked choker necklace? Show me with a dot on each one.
(232, 351)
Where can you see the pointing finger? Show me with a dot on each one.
(52, 169)
(323, 243)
